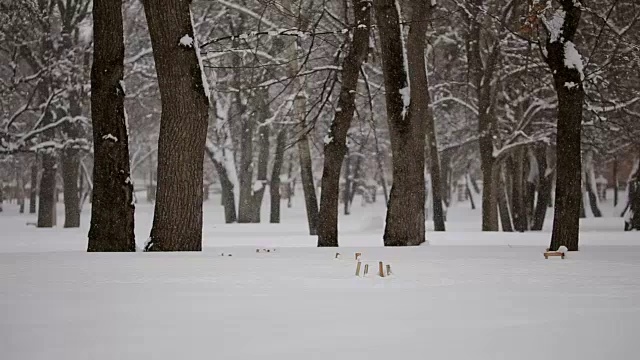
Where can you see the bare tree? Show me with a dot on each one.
(566, 65)
(405, 222)
(112, 207)
(335, 145)
(177, 221)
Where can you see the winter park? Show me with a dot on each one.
(307, 179)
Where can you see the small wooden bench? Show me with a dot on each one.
(553, 253)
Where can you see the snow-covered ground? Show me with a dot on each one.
(469, 295)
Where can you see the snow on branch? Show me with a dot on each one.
(615, 106)
(276, 32)
(301, 73)
(470, 107)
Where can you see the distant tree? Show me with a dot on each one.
(112, 207)
(177, 221)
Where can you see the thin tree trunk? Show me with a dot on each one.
(227, 197)
(246, 167)
(570, 91)
(112, 210)
(300, 113)
(503, 202)
(348, 177)
(517, 201)
(263, 162)
(274, 188)
(33, 192)
(590, 184)
(405, 222)
(615, 181)
(291, 185)
(545, 179)
(356, 180)
(177, 221)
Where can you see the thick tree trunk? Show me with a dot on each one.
(568, 85)
(274, 187)
(489, 203)
(545, 179)
(47, 191)
(177, 221)
(405, 222)
(33, 192)
(112, 210)
(70, 174)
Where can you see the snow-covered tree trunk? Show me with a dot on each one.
(112, 210)
(566, 65)
(406, 109)
(177, 221)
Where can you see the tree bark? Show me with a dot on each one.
(263, 162)
(228, 197)
(482, 71)
(518, 200)
(590, 184)
(246, 167)
(177, 221)
(632, 222)
(545, 179)
(503, 201)
(405, 221)
(274, 188)
(112, 210)
(615, 182)
(47, 191)
(570, 91)
(300, 113)
(33, 192)
(348, 179)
